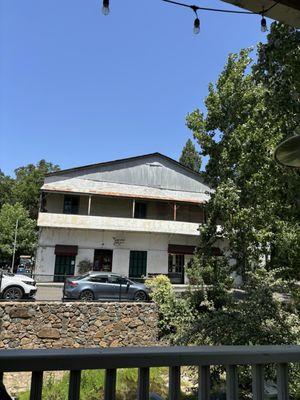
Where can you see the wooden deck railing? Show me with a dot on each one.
(143, 358)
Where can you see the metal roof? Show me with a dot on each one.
(121, 160)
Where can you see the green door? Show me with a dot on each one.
(137, 264)
(64, 266)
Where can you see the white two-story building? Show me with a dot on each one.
(136, 216)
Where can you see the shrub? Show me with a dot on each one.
(84, 266)
(175, 314)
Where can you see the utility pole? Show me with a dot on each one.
(15, 245)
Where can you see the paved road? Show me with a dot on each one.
(49, 293)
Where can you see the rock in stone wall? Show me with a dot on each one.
(56, 325)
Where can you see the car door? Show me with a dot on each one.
(119, 287)
(100, 287)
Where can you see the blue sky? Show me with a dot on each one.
(77, 87)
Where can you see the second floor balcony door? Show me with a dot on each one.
(103, 260)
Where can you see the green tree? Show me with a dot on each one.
(190, 157)
(29, 180)
(26, 233)
(6, 188)
(254, 208)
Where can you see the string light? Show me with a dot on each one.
(196, 30)
(105, 7)
(263, 25)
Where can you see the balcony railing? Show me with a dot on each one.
(76, 360)
(52, 220)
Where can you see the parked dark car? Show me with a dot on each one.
(104, 286)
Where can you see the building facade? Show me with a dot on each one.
(137, 216)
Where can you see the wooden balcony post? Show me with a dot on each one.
(89, 205)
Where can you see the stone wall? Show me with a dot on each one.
(77, 324)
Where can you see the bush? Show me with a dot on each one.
(84, 266)
(175, 314)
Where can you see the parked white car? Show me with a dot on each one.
(16, 287)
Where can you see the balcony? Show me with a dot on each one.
(54, 220)
(143, 358)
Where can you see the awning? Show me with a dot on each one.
(64, 250)
(180, 249)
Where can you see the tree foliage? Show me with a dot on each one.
(6, 187)
(254, 209)
(26, 233)
(19, 199)
(190, 157)
(28, 182)
(249, 111)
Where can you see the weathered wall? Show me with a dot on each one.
(88, 240)
(56, 325)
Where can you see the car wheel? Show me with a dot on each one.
(87, 295)
(140, 296)
(13, 293)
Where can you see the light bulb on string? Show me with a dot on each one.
(263, 25)
(196, 29)
(105, 7)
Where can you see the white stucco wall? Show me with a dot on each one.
(120, 242)
(120, 263)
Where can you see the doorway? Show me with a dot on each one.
(64, 266)
(176, 268)
(137, 264)
(103, 260)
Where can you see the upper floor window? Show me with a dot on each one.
(140, 210)
(71, 204)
